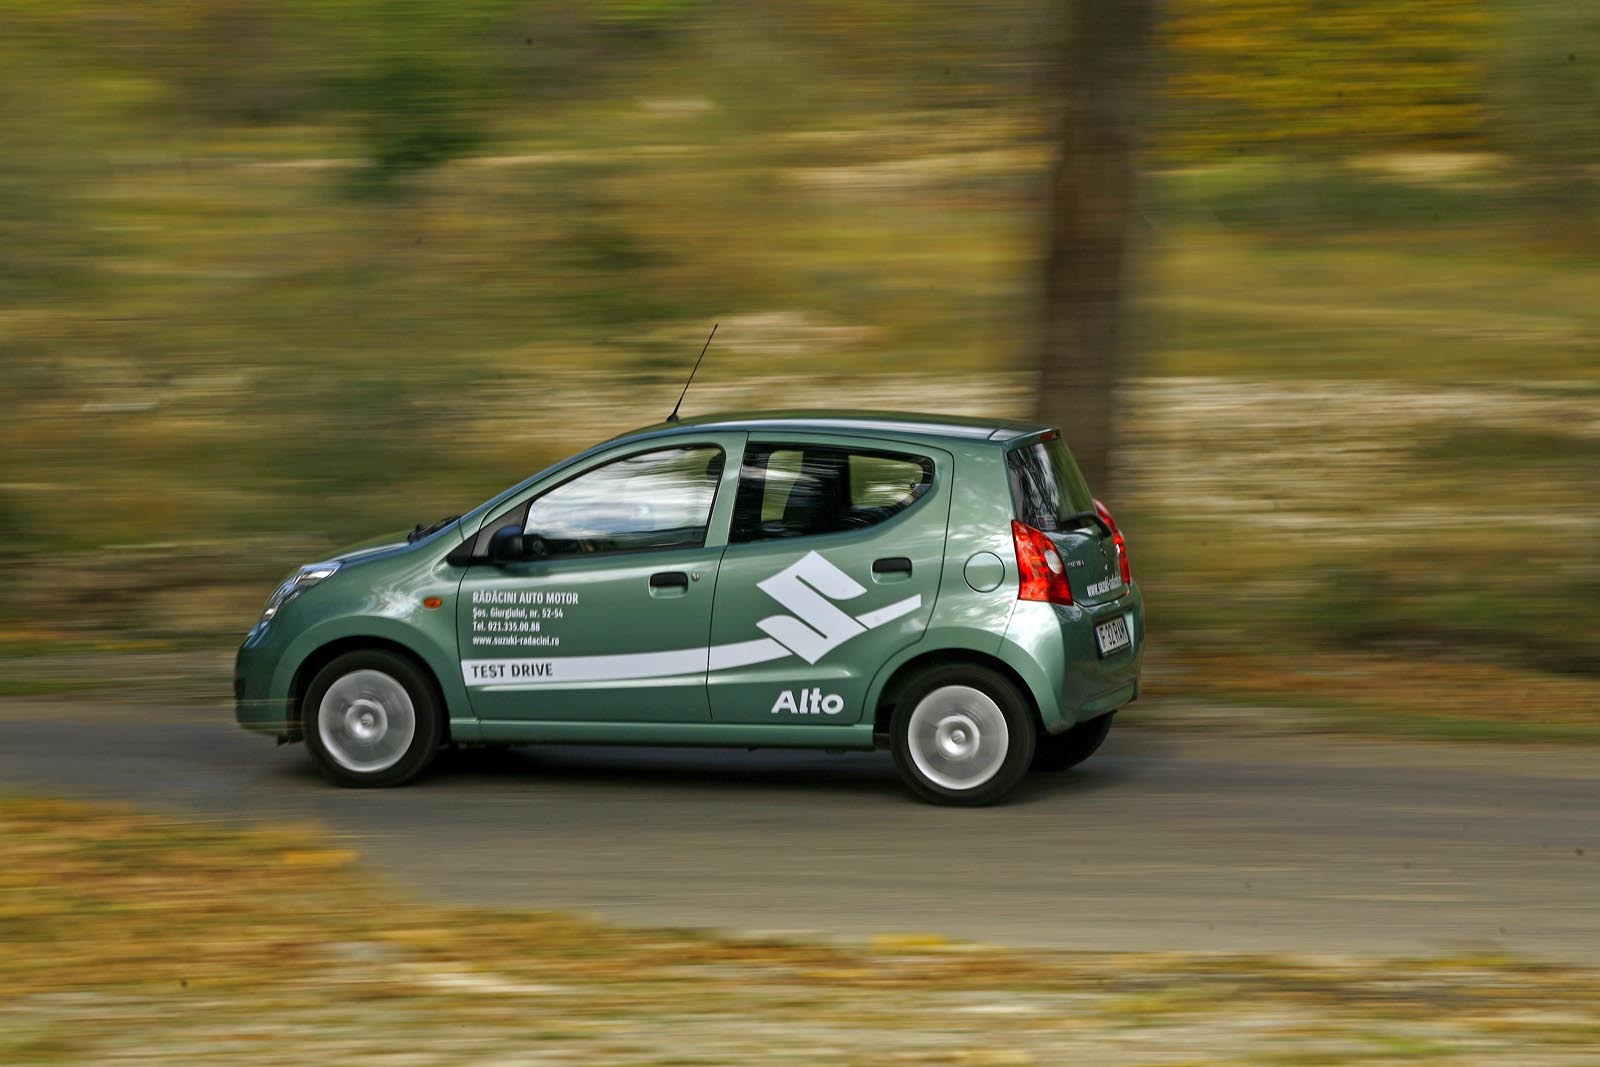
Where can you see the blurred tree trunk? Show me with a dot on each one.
(1103, 71)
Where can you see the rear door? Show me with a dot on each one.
(835, 550)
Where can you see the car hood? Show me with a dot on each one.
(373, 548)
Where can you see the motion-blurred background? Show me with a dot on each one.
(279, 276)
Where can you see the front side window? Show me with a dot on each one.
(658, 499)
(801, 490)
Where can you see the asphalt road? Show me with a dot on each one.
(1164, 841)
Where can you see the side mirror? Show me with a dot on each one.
(510, 545)
(507, 546)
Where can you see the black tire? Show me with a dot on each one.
(1057, 752)
(946, 726)
(382, 724)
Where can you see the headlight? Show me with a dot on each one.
(303, 579)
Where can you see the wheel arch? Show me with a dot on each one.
(325, 654)
(905, 673)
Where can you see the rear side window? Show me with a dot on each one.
(1047, 488)
(800, 490)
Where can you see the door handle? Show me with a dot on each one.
(892, 565)
(669, 583)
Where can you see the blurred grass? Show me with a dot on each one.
(190, 942)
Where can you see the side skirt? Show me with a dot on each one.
(732, 735)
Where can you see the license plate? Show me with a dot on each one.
(1114, 635)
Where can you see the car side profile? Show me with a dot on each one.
(943, 587)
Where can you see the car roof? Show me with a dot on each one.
(886, 423)
(908, 425)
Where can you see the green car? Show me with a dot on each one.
(943, 587)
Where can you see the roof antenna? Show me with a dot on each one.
(674, 416)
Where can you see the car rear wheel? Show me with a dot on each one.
(1057, 752)
(371, 719)
(962, 735)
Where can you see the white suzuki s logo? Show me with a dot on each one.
(810, 588)
(807, 587)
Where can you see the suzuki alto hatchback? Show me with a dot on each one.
(943, 587)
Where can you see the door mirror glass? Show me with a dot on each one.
(511, 545)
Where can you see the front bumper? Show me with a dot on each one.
(256, 707)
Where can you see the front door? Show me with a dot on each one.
(833, 562)
(612, 621)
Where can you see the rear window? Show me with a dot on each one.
(1047, 488)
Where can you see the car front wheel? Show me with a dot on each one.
(371, 718)
(962, 735)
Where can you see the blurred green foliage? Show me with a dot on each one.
(276, 276)
(1547, 79)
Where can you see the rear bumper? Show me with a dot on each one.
(1053, 647)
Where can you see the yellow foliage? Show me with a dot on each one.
(1314, 76)
(317, 858)
(909, 942)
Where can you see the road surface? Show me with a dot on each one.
(1165, 841)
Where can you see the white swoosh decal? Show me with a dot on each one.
(808, 588)
(557, 672)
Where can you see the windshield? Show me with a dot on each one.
(1047, 488)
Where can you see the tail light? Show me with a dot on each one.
(1044, 575)
(1118, 540)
